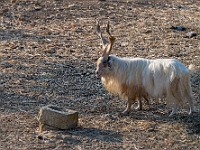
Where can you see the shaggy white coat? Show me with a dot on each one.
(157, 78)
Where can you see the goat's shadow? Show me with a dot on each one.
(192, 122)
(161, 114)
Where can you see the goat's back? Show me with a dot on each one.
(160, 74)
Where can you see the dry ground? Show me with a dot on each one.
(48, 50)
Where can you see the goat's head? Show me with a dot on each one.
(104, 63)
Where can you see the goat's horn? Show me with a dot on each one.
(108, 29)
(104, 41)
(111, 38)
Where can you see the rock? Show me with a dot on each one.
(191, 67)
(2, 87)
(6, 64)
(50, 51)
(57, 117)
(178, 28)
(191, 34)
(124, 44)
(194, 68)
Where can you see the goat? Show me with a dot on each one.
(133, 78)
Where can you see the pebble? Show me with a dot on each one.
(178, 28)
(191, 67)
(191, 34)
(124, 44)
(6, 64)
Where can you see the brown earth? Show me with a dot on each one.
(48, 51)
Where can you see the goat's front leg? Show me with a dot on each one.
(139, 106)
(128, 107)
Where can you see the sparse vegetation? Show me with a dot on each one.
(48, 53)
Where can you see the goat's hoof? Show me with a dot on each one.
(171, 115)
(124, 113)
(193, 112)
(138, 108)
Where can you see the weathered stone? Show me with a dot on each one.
(191, 34)
(178, 28)
(57, 117)
(124, 44)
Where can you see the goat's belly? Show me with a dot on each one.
(155, 89)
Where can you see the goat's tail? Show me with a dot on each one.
(187, 91)
(192, 68)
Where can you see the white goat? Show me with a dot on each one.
(134, 78)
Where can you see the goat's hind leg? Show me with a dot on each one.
(174, 94)
(187, 94)
(174, 110)
(191, 105)
(176, 100)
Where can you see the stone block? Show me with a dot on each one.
(57, 117)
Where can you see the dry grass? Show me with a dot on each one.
(48, 51)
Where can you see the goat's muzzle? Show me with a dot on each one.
(97, 74)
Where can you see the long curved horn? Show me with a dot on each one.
(103, 40)
(111, 38)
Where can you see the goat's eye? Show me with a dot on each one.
(104, 63)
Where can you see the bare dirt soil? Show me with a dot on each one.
(48, 51)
